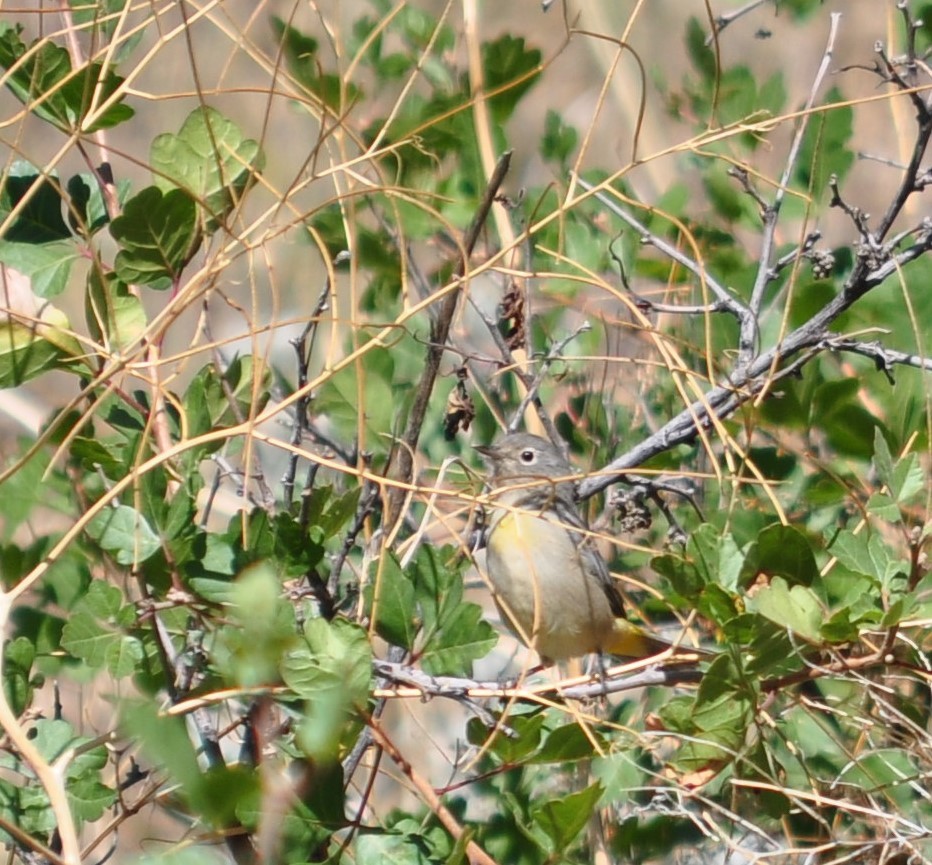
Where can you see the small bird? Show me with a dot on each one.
(549, 581)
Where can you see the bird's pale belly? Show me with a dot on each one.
(543, 590)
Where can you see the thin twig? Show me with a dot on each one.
(303, 346)
(533, 389)
(440, 331)
(747, 340)
(475, 854)
(885, 358)
(726, 18)
(727, 300)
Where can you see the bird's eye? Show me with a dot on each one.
(527, 456)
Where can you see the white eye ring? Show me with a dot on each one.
(528, 456)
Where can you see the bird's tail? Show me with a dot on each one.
(630, 641)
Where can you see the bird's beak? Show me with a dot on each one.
(488, 451)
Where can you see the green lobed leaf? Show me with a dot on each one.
(84, 637)
(706, 573)
(123, 655)
(301, 54)
(42, 78)
(796, 608)
(210, 159)
(125, 534)
(332, 670)
(904, 478)
(332, 653)
(866, 553)
(782, 551)
(525, 739)
(462, 637)
(567, 744)
(398, 848)
(250, 652)
(87, 210)
(564, 818)
(157, 235)
(90, 798)
(511, 67)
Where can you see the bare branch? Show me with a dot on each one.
(440, 331)
(747, 341)
(728, 302)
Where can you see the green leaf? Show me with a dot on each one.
(115, 316)
(866, 553)
(567, 744)
(770, 649)
(461, 638)
(123, 655)
(453, 633)
(825, 149)
(18, 657)
(215, 401)
(391, 603)
(782, 551)
(36, 197)
(888, 774)
(47, 265)
(301, 54)
(511, 68)
(559, 139)
(391, 848)
(796, 608)
(165, 743)
(44, 81)
(210, 160)
(95, 632)
(87, 211)
(84, 637)
(25, 355)
(903, 478)
(836, 408)
(157, 235)
(250, 652)
(90, 798)
(564, 818)
(700, 53)
(706, 573)
(103, 601)
(332, 670)
(125, 534)
(524, 740)
(332, 653)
